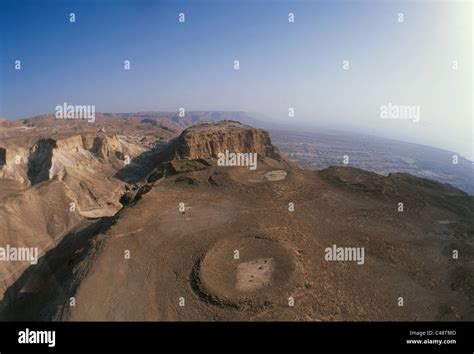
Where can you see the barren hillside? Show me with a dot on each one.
(200, 241)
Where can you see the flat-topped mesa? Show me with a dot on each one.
(208, 140)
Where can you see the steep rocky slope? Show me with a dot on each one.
(51, 184)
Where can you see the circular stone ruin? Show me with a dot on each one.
(268, 176)
(276, 175)
(257, 278)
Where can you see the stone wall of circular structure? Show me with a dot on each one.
(257, 279)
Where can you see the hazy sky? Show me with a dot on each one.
(282, 64)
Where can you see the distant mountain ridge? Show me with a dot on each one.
(313, 150)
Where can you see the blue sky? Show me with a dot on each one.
(282, 65)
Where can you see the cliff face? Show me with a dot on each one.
(208, 140)
(48, 158)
